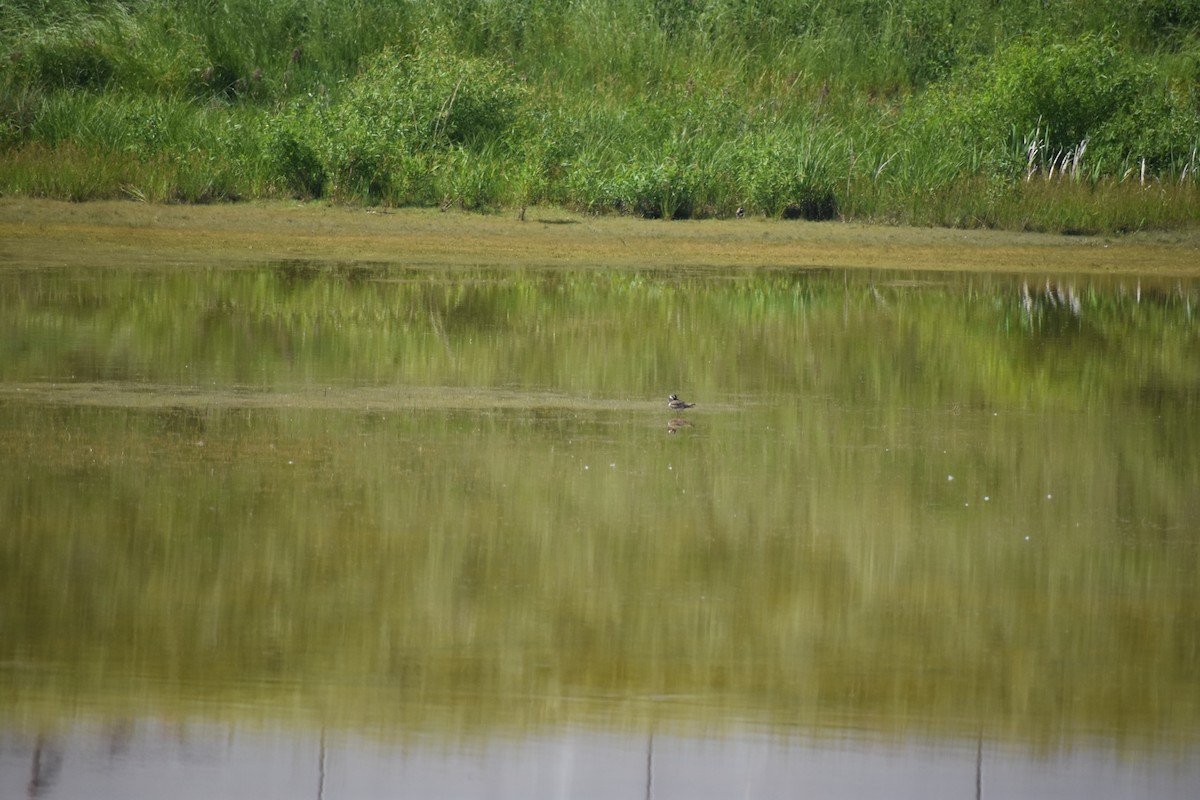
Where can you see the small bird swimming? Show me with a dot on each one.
(674, 403)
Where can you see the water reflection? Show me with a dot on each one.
(928, 516)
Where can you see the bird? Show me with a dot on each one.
(675, 404)
(741, 212)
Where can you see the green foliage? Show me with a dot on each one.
(295, 162)
(678, 108)
(1040, 104)
(1159, 129)
(433, 98)
(659, 187)
(1171, 18)
(1069, 90)
(403, 112)
(67, 58)
(788, 179)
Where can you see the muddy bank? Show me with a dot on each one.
(37, 233)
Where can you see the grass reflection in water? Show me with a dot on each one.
(396, 499)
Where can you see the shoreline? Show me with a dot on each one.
(49, 233)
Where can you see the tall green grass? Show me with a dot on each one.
(917, 111)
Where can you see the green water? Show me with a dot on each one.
(400, 501)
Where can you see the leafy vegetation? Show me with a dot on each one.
(1014, 114)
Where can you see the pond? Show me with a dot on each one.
(302, 528)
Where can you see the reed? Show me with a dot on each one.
(689, 108)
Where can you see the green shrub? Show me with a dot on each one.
(66, 60)
(658, 188)
(1068, 89)
(1160, 128)
(788, 178)
(1042, 104)
(1167, 17)
(367, 141)
(295, 162)
(432, 97)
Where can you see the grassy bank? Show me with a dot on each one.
(1017, 115)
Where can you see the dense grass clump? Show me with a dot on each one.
(404, 117)
(1013, 114)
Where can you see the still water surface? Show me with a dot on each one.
(359, 530)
